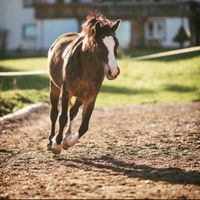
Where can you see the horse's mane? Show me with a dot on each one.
(94, 17)
(88, 28)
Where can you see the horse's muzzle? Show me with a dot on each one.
(111, 76)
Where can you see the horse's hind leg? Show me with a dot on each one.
(54, 98)
(72, 115)
(63, 118)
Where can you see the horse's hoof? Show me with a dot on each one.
(64, 143)
(66, 147)
(70, 140)
(56, 149)
(49, 146)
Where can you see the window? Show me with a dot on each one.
(155, 29)
(150, 29)
(30, 3)
(59, 1)
(29, 31)
(160, 30)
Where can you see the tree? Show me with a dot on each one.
(3, 35)
(181, 36)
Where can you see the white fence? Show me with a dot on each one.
(157, 55)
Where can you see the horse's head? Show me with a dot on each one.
(104, 42)
(107, 45)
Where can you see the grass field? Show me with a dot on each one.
(166, 80)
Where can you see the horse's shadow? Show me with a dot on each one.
(107, 163)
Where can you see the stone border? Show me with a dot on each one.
(24, 111)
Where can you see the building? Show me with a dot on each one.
(35, 24)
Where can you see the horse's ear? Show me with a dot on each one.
(97, 28)
(115, 25)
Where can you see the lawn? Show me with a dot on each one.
(174, 79)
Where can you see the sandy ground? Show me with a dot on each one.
(144, 151)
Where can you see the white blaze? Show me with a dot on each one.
(112, 63)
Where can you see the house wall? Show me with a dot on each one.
(124, 34)
(172, 27)
(52, 29)
(12, 18)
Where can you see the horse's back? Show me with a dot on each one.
(55, 60)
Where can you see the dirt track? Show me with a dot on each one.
(147, 151)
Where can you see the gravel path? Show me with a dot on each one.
(144, 151)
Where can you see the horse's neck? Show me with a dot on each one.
(84, 63)
(92, 67)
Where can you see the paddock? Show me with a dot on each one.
(143, 140)
(141, 151)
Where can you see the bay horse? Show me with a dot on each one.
(78, 63)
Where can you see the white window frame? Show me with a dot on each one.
(25, 34)
(156, 22)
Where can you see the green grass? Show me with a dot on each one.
(16, 92)
(154, 81)
(166, 80)
(21, 64)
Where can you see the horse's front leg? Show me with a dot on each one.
(63, 118)
(87, 111)
(72, 115)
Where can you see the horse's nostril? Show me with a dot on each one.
(115, 73)
(109, 73)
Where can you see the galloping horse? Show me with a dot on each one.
(78, 63)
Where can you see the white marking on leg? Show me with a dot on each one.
(109, 42)
(68, 132)
(69, 124)
(69, 127)
(56, 148)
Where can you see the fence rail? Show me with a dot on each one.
(157, 55)
(168, 53)
(24, 73)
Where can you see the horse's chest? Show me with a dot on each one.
(84, 88)
(85, 81)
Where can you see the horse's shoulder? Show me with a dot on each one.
(64, 39)
(72, 50)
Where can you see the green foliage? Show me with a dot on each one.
(172, 79)
(181, 36)
(3, 45)
(12, 100)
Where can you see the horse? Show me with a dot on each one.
(78, 64)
